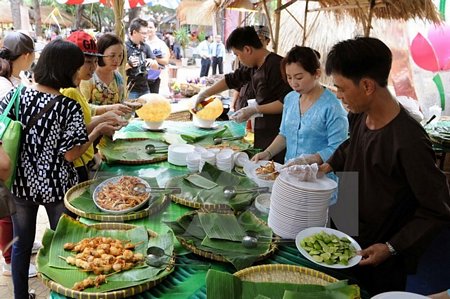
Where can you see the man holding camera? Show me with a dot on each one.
(140, 57)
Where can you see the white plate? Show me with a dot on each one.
(320, 185)
(177, 153)
(114, 180)
(314, 230)
(250, 167)
(160, 129)
(250, 171)
(212, 127)
(398, 295)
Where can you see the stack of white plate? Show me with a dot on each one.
(224, 160)
(177, 153)
(297, 205)
(193, 161)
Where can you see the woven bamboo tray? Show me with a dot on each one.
(54, 286)
(79, 189)
(285, 274)
(216, 257)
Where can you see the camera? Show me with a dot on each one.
(141, 68)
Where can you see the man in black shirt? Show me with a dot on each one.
(139, 56)
(261, 72)
(403, 196)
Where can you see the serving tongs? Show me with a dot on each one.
(219, 140)
(140, 188)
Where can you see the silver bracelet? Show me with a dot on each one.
(391, 248)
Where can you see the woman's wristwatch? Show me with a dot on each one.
(391, 248)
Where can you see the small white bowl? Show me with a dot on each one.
(227, 151)
(154, 125)
(262, 203)
(202, 123)
(240, 158)
(215, 151)
(194, 157)
(200, 149)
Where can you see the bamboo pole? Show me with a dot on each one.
(295, 19)
(369, 19)
(277, 26)
(266, 11)
(312, 25)
(119, 29)
(305, 23)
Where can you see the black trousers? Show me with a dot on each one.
(206, 64)
(217, 61)
(388, 276)
(153, 85)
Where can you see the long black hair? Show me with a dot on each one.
(58, 63)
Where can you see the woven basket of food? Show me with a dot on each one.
(104, 260)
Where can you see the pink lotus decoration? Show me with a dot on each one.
(432, 54)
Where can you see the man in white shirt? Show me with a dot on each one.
(205, 52)
(218, 55)
(162, 54)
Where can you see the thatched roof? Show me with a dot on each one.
(383, 9)
(6, 15)
(191, 12)
(325, 30)
(358, 9)
(63, 18)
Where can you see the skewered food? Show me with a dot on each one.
(101, 256)
(89, 282)
(267, 172)
(120, 195)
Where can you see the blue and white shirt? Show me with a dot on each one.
(218, 49)
(321, 129)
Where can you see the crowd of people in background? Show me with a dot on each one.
(79, 96)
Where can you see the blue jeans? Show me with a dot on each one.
(24, 226)
(206, 64)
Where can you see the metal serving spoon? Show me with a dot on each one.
(231, 191)
(151, 149)
(141, 188)
(219, 140)
(251, 240)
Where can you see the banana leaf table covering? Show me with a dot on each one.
(187, 282)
